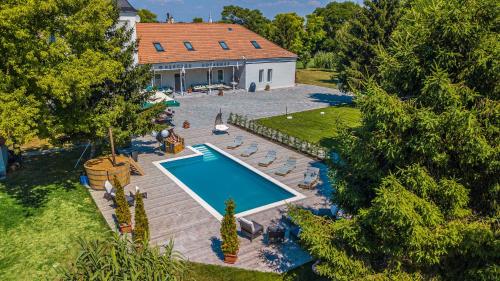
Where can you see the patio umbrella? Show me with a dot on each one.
(163, 98)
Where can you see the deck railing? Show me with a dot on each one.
(272, 134)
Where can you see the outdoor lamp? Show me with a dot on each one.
(165, 133)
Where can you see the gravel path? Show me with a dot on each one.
(201, 109)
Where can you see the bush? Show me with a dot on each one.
(118, 259)
(228, 232)
(141, 227)
(122, 210)
(324, 60)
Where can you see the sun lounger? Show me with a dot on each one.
(287, 167)
(269, 159)
(238, 141)
(251, 229)
(111, 194)
(250, 150)
(311, 177)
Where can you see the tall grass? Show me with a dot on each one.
(325, 60)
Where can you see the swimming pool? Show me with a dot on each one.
(211, 176)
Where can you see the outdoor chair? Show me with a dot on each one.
(287, 167)
(250, 150)
(269, 159)
(111, 194)
(251, 229)
(311, 178)
(219, 126)
(238, 141)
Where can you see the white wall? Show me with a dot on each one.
(130, 20)
(283, 74)
(195, 76)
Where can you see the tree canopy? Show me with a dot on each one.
(251, 19)
(147, 16)
(67, 72)
(288, 32)
(420, 176)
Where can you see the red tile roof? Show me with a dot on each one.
(205, 39)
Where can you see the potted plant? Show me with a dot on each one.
(186, 124)
(122, 210)
(141, 226)
(229, 235)
(268, 87)
(190, 90)
(221, 92)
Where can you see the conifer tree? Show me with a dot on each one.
(122, 209)
(228, 230)
(141, 226)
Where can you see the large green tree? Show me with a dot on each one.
(147, 16)
(420, 177)
(288, 32)
(67, 71)
(358, 39)
(335, 14)
(314, 33)
(251, 19)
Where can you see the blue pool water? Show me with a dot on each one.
(216, 178)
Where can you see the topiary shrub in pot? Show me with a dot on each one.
(122, 210)
(229, 235)
(141, 226)
(268, 87)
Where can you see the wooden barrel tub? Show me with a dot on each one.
(101, 169)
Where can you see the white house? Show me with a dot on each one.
(202, 56)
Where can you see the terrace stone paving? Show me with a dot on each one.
(200, 109)
(173, 214)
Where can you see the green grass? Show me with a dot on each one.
(314, 127)
(205, 272)
(43, 211)
(319, 77)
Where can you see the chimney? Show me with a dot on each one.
(170, 18)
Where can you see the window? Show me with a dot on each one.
(261, 75)
(158, 47)
(269, 75)
(188, 46)
(220, 75)
(157, 82)
(255, 44)
(223, 45)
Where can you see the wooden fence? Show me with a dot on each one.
(279, 137)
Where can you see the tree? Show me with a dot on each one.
(335, 14)
(122, 210)
(117, 259)
(197, 20)
(141, 226)
(147, 16)
(288, 32)
(314, 34)
(420, 176)
(67, 73)
(228, 231)
(251, 19)
(360, 37)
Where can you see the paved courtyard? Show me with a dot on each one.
(174, 214)
(201, 109)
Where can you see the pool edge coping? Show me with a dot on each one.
(296, 195)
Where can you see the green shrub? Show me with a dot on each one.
(122, 210)
(228, 232)
(141, 227)
(324, 60)
(118, 259)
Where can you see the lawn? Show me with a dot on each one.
(319, 77)
(43, 212)
(313, 126)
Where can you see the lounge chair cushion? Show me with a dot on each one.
(221, 127)
(247, 225)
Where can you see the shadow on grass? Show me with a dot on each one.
(41, 175)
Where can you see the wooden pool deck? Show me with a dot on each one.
(173, 214)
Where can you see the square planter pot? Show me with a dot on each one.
(230, 259)
(125, 228)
